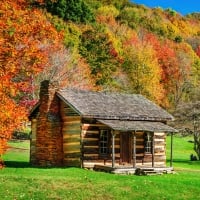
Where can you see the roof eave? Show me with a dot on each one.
(128, 118)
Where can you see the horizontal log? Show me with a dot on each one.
(84, 132)
(66, 136)
(72, 155)
(71, 126)
(139, 139)
(117, 155)
(156, 159)
(90, 150)
(160, 143)
(140, 143)
(163, 157)
(70, 122)
(67, 131)
(117, 151)
(68, 151)
(67, 148)
(159, 148)
(160, 154)
(139, 146)
(139, 134)
(90, 143)
(91, 147)
(91, 135)
(139, 161)
(71, 144)
(95, 158)
(72, 118)
(160, 137)
(92, 126)
(139, 154)
(159, 134)
(71, 140)
(92, 154)
(90, 139)
(140, 150)
(159, 140)
(117, 146)
(147, 155)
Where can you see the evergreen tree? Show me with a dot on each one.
(74, 10)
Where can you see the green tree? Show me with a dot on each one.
(74, 10)
(97, 49)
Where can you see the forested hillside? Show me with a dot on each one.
(108, 45)
(131, 48)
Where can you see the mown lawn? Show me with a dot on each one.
(21, 181)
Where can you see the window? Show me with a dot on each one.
(148, 137)
(103, 142)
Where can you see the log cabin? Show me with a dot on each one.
(87, 129)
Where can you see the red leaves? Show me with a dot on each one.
(198, 51)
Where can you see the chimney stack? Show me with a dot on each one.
(49, 139)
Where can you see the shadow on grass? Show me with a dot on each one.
(185, 162)
(21, 164)
(17, 164)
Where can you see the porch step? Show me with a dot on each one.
(153, 171)
(125, 170)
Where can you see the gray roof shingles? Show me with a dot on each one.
(102, 105)
(123, 125)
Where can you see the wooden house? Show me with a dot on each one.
(86, 129)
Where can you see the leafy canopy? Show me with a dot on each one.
(73, 10)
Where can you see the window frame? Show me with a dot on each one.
(148, 142)
(104, 145)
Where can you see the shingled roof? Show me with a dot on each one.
(113, 106)
(124, 125)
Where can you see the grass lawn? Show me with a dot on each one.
(21, 181)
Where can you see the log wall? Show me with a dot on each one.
(160, 149)
(90, 148)
(33, 140)
(145, 159)
(71, 131)
(90, 144)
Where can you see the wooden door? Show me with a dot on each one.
(125, 148)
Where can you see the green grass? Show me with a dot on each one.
(182, 149)
(21, 181)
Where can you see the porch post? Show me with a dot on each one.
(153, 151)
(171, 151)
(134, 149)
(113, 148)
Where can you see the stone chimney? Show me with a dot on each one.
(49, 139)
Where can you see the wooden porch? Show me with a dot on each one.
(130, 170)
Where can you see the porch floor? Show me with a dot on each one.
(129, 170)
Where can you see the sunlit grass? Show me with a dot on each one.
(21, 181)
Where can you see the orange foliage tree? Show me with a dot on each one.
(25, 37)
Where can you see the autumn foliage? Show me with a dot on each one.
(25, 37)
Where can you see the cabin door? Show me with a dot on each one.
(125, 148)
